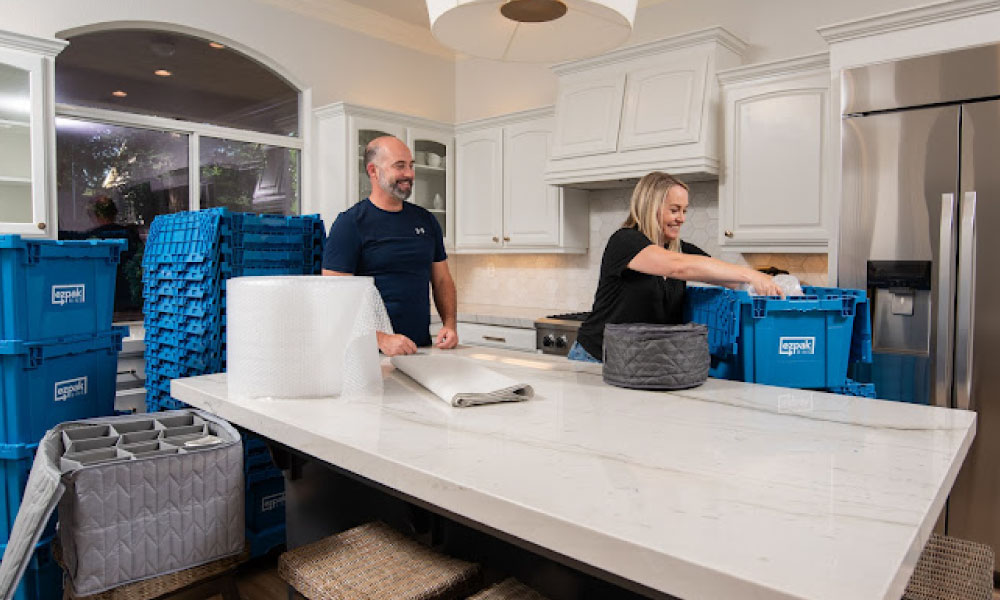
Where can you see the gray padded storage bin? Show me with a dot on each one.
(136, 499)
(656, 357)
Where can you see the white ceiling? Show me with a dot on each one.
(411, 11)
(415, 11)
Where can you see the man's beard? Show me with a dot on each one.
(392, 187)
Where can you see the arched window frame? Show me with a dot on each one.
(195, 131)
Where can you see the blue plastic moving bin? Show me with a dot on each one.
(53, 288)
(800, 341)
(43, 383)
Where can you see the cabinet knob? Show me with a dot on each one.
(506, 238)
(41, 225)
(496, 239)
(728, 233)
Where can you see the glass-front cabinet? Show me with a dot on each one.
(26, 133)
(344, 130)
(433, 163)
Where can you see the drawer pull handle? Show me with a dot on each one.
(493, 338)
(729, 233)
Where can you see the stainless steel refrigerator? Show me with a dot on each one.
(920, 229)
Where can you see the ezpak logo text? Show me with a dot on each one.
(790, 346)
(70, 388)
(69, 294)
(272, 502)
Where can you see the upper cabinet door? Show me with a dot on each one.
(479, 185)
(531, 208)
(25, 126)
(663, 104)
(589, 112)
(776, 187)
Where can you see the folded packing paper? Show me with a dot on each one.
(461, 382)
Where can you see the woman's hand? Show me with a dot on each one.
(763, 284)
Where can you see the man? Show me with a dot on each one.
(128, 277)
(401, 245)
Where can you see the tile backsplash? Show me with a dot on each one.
(567, 282)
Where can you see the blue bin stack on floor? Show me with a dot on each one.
(812, 341)
(58, 362)
(188, 258)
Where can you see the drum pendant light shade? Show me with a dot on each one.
(543, 31)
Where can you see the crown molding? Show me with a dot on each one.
(368, 22)
(906, 19)
(717, 35)
(506, 119)
(346, 109)
(45, 46)
(778, 68)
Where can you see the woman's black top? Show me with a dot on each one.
(627, 296)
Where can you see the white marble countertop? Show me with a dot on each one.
(495, 314)
(729, 490)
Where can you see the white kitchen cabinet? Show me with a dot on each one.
(479, 186)
(342, 132)
(590, 109)
(497, 336)
(648, 107)
(503, 203)
(27, 133)
(776, 190)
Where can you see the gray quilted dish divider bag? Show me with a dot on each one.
(656, 357)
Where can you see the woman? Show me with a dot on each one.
(645, 265)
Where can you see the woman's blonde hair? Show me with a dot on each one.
(644, 208)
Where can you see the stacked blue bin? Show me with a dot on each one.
(813, 341)
(188, 258)
(58, 362)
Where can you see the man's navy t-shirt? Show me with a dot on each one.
(397, 249)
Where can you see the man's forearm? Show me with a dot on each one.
(446, 301)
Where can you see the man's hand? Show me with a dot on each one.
(447, 338)
(394, 344)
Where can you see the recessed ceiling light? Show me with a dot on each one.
(216, 45)
(119, 93)
(162, 73)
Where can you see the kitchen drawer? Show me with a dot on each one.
(496, 336)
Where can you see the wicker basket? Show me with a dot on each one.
(508, 589)
(952, 569)
(375, 561)
(156, 587)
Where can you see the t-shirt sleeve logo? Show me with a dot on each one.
(419, 230)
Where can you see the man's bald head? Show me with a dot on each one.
(380, 146)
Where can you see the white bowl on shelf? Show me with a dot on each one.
(434, 160)
(420, 157)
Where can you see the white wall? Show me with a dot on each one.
(773, 29)
(336, 63)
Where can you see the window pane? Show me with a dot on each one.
(198, 80)
(112, 181)
(247, 177)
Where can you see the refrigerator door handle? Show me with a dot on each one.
(945, 304)
(966, 303)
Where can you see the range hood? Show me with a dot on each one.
(651, 107)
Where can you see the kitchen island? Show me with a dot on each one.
(728, 490)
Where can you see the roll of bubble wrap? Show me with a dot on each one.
(302, 336)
